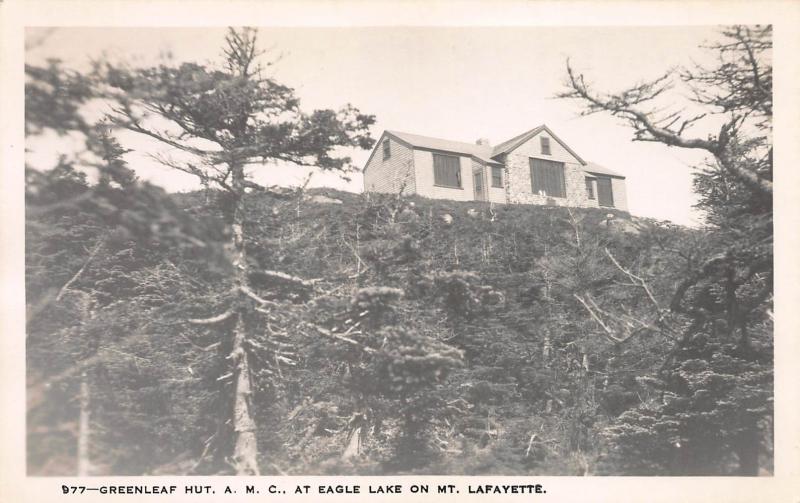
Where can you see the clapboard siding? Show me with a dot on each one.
(620, 193)
(393, 174)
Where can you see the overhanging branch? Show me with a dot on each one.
(646, 126)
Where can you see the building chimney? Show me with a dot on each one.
(483, 141)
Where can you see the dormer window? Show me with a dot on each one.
(545, 143)
(387, 149)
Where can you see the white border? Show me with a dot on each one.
(15, 15)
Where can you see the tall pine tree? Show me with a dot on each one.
(229, 119)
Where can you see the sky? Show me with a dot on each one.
(454, 83)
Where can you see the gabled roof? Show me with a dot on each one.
(509, 145)
(513, 143)
(485, 153)
(481, 152)
(595, 169)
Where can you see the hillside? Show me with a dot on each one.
(395, 335)
(496, 283)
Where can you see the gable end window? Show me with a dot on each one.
(605, 195)
(497, 176)
(547, 178)
(589, 188)
(387, 149)
(545, 143)
(447, 171)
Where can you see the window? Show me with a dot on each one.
(545, 143)
(387, 149)
(605, 196)
(547, 178)
(446, 171)
(497, 176)
(589, 188)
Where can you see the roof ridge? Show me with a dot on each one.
(475, 150)
(395, 132)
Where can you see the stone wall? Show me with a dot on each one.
(519, 175)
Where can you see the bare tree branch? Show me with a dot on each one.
(637, 280)
(608, 332)
(646, 125)
(284, 278)
(214, 319)
(331, 335)
(78, 274)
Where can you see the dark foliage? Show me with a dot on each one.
(715, 383)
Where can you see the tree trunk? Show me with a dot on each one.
(353, 448)
(358, 426)
(546, 349)
(245, 450)
(83, 429)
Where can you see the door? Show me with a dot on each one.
(605, 196)
(477, 178)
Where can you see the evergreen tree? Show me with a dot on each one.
(722, 361)
(230, 118)
(85, 247)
